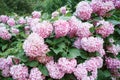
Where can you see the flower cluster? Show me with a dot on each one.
(84, 10)
(34, 46)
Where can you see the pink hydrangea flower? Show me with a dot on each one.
(35, 74)
(36, 14)
(61, 28)
(15, 30)
(34, 46)
(92, 44)
(21, 20)
(67, 65)
(19, 71)
(112, 63)
(102, 52)
(84, 10)
(84, 30)
(101, 7)
(80, 72)
(11, 22)
(93, 63)
(4, 18)
(63, 10)
(33, 22)
(77, 43)
(6, 72)
(43, 29)
(44, 59)
(4, 34)
(96, 5)
(55, 14)
(54, 70)
(114, 49)
(74, 24)
(117, 4)
(105, 28)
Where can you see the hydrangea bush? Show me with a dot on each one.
(83, 45)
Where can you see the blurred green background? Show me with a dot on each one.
(24, 7)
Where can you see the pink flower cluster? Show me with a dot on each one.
(11, 22)
(54, 70)
(84, 10)
(84, 30)
(64, 65)
(21, 20)
(61, 28)
(43, 29)
(113, 65)
(34, 46)
(63, 10)
(55, 14)
(92, 44)
(35, 74)
(5, 65)
(101, 7)
(67, 65)
(114, 49)
(19, 72)
(4, 18)
(91, 65)
(36, 14)
(105, 28)
(74, 23)
(4, 33)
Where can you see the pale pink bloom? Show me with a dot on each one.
(11, 22)
(33, 22)
(93, 63)
(105, 28)
(19, 71)
(84, 30)
(34, 46)
(84, 10)
(61, 28)
(102, 52)
(6, 72)
(55, 14)
(15, 30)
(102, 8)
(92, 44)
(44, 59)
(4, 34)
(111, 40)
(112, 63)
(117, 4)
(80, 72)
(67, 65)
(35, 74)
(36, 14)
(115, 49)
(74, 24)
(77, 43)
(43, 29)
(96, 5)
(27, 28)
(21, 20)
(54, 70)
(4, 18)
(63, 10)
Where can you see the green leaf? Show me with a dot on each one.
(43, 69)
(115, 22)
(32, 63)
(92, 29)
(61, 45)
(107, 73)
(4, 47)
(57, 50)
(73, 53)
